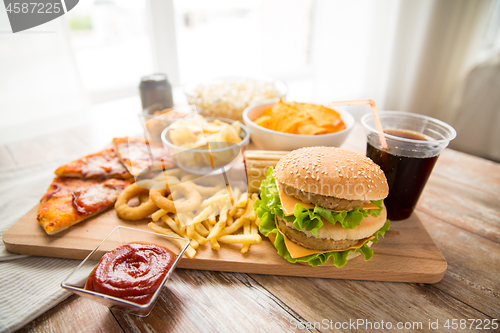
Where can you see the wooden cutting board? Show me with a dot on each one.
(406, 254)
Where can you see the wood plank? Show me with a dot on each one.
(470, 170)
(6, 159)
(342, 301)
(204, 301)
(75, 314)
(467, 207)
(406, 254)
(473, 269)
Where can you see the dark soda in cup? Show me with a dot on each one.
(414, 143)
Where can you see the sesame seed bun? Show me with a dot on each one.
(332, 172)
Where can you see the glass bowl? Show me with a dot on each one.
(204, 160)
(156, 118)
(75, 282)
(227, 97)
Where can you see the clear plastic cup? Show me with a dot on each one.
(414, 143)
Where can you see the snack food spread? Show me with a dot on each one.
(132, 272)
(301, 118)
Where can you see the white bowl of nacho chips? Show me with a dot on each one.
(324, 127)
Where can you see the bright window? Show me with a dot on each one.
(224, 37)
(112, 46)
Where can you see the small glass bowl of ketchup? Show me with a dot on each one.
(128, 269)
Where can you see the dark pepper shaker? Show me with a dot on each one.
(155, 89)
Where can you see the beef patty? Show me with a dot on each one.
(314, 243)
(321, 200)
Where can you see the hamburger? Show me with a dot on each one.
(323, 202)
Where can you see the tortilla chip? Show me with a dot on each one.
(301, 118)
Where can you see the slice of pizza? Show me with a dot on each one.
(72, 200)
(139, 156)
(104, 164)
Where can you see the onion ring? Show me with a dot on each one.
(197, 183)
(193, 197)
(158, 197)
(134, 213)
(143, 197)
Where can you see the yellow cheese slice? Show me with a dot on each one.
(288, 203)
(297, 251)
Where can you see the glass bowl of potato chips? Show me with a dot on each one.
(292, 125)
(203, 145)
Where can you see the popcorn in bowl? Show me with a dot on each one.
(228, 97)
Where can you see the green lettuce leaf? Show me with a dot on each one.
(339, 258)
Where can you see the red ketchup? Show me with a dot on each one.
(132, 272)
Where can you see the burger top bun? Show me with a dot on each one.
(332, 172)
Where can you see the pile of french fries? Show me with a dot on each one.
(224, 217)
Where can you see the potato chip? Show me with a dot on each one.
(308, 127)
(301, 118)
(263, 121)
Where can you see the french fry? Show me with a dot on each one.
(239, 213)
(240, 239)
(224, 197)
(194, 243)
(207, 225)
(177, 221)
(235, 226)
(190, 231)
(190, 251)
(249, 209)
(201, 240)
(219, 226)
(242, 202)
(233, 210)
(200, 229)
(203, 215)
(172, 225)
(246, 231)
(212, 220)
(217, 229)
(214, 244)
(236, 194)
(158, 214)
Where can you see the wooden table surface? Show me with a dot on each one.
(460, 208)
